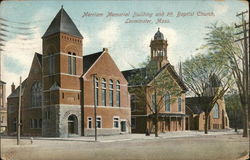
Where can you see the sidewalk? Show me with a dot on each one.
(127, 137)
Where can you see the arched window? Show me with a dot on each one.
(216, 111)
(96, 91)
(103, 92)
(111, 93)
(118, 96)
(167, 102)
(36, 94)
(72, 63)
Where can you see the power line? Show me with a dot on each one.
(14, 27)
(23, 23)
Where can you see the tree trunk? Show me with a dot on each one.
(156, 116)
(156, 124)
(235, 122)
(206, 124)
(245, 122)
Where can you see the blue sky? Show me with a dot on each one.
(128, 43)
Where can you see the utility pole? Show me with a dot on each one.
(95, 103)
(19, 112)
(2, 106)
(246, 72)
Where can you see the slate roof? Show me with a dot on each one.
(62, 23)
(128, 74)
(158, 35)
(89, 60)
(16, 91)
(194, 104)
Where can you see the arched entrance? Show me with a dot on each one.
(72, 124)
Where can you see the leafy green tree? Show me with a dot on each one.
(233, 105)
(208, 80)
(220, 41)
(151, 86)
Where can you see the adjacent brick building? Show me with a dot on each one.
(171, 116)
(58, 94)
(217, 119)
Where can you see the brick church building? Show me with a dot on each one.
(59, 93)
(217, 119)
(171, 113)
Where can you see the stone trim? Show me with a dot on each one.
(64, 89)
(108, 107)
(63, 105)
(61, 53)
(65, 74)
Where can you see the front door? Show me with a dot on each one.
(123, 126)
(72, 125)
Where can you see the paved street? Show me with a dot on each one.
(172, 146)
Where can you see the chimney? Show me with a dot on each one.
(105, 50)
(13, 87)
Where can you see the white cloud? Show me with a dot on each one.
(109, 35)
(86, 41)
(22, 51)
(220, 9)
(136, 53)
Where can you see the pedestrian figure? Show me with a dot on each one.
(31, 140)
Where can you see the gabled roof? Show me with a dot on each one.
(55, 86)
(128, 74)
(2, 82)
(194, 105)
(62, 23)
(39, 56)
(89, 60)
(16, 91)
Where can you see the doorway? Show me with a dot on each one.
(72, 125)
(123, 126)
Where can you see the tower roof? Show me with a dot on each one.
(62, 23)
(158, 35)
